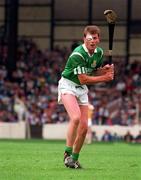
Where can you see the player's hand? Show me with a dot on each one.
(109, 75)
(108, 67)
(107, 72)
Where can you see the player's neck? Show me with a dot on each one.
(91, 52)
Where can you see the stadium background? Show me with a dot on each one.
(35, 40)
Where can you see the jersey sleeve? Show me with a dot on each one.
(77, 64)
(100, 55)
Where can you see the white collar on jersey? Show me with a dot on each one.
(84, 46)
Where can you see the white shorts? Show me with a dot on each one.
(68, 87)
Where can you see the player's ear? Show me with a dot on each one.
(99, 39)
(84, 38)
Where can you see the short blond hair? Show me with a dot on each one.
(92, 29)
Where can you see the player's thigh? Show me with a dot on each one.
(71, 106)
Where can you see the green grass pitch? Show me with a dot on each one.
(43, 160)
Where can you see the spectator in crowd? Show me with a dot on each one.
(138, 138)
(74, 44)
(116, 137)
(20, 107)
(107, 137)
(128, 137)
(104, 114)
(94, 136)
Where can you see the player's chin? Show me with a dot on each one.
(92, 48)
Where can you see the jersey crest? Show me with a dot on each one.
(93, 65)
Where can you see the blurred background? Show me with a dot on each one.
(36, 37)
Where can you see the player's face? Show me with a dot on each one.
(91, 41)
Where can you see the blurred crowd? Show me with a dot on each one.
(32, 93)
(107, 136)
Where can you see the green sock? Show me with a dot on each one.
(68, 150)
(75, 156)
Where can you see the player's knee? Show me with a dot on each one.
(75, 119)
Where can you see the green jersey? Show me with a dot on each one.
(81, 62)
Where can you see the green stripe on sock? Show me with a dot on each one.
(68, 150)
(75, 156)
